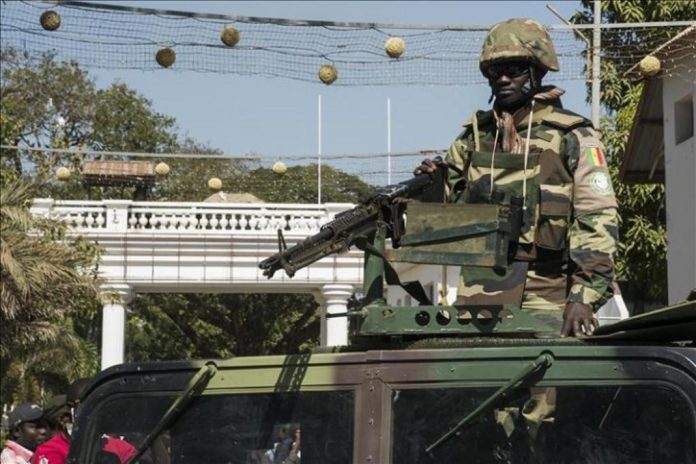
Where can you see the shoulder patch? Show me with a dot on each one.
(600, 183)
(564, 119)
(594, 155)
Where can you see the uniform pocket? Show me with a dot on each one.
(555, 203)
(554, 214)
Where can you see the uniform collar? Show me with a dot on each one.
(546, 100)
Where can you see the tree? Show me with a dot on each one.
(642, 228)
(44, 104)
(185, 326)
(51, 104)
(188, 178)
(45, 279)
(299, 185)
(125, 121)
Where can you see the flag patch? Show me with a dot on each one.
(594, 156)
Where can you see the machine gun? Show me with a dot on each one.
(479, 235)
(384, 206)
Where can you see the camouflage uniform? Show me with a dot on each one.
(569, 231)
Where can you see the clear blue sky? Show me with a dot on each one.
(266, 116)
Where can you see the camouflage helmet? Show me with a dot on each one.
(519, 38)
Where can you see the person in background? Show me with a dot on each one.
(57, 414)
(27, 431)
(295, 455)
(56, 449)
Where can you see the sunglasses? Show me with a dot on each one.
(511, 70)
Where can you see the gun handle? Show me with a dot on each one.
(435, 193)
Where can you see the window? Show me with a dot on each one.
(610, 424)
(236, 429)
(684, 119)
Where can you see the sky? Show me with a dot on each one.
(275, 116)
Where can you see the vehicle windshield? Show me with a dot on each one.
(556, 425)
(241, 428)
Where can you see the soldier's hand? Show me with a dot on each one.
(578, 320)
(429, 166)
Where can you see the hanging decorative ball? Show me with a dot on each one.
(162, 169)
(63, 173)
(215, 184)
(165, 57)
(395, 47)
(328, 74)
(279, 167)
(50, 20)
(649, 66)
(230, 36)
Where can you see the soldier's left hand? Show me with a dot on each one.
(578, 320)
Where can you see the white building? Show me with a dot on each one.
(661, 148)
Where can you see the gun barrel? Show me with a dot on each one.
(283, 259)
(338, 235)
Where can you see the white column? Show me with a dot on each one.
(115, 298)
(335, 298)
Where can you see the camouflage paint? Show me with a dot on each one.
(373, 375)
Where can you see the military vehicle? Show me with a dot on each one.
(416, 384)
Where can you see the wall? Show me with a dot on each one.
(680, 175)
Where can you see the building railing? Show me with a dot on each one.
(125, 216)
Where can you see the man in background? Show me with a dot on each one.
(27, 431)
(56, 449)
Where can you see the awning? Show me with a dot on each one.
(644, 159)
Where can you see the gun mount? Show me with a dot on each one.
(421, 232)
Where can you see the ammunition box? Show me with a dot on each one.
(455, 234)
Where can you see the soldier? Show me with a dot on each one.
(529, 149)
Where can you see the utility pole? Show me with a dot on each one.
(319, 151)
(389, 166)
(596, 47)
(593, 59)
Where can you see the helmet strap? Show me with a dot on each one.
(530, 87)
(533, 85)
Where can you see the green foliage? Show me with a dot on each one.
(188, 178)
(185, 326)
(643, 222)
(299, 185)
(52, 104)
(45, 279)
(125, 120)
(36, 94)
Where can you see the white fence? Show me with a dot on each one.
(195, 218)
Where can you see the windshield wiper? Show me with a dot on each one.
(544, 361)
(198, 381)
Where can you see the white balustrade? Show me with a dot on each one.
(81, 216)
(201, 247)
(188, 218)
